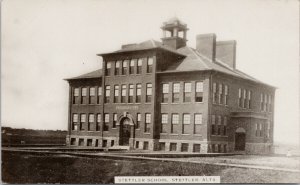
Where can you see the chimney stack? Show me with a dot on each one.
(206, 45)
(226, 52)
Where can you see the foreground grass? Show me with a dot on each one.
(25, 168)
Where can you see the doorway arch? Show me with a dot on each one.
(240, 139)
(125, 131)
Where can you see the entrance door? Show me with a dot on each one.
(240, 140)
(125, 132)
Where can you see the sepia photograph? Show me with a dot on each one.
(150, 91)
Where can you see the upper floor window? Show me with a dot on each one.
(131, 66)
(175, 122)
(139, 66)
(74, 122)
(164, 122)
(131, 89)
(198, 123)
(116, 94)
(106, 122)
(138, 122)
(92, 91)
(214, 93)
(123, 95)
(91, 120)
(186, 123)
(199, 92)
(147, 122)
(240, 102)
(249, 100)
(176, 90)
(225, 126)
(98, 125)
(107, 94)
(187, 92)
(138, 93)
(83, 91)
(220, 94)
(115, 121)
(76, 92)
(219, 125)
(148, 92)
(244, 98)
(82, 121)
(165, 93)
(213, 124)
(108, 69)
(270, 103)
(125, 67)
(117, 68)
(226, 95)
(149, 65)
(266, 103)
(99, 94)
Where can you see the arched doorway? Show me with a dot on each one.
(240, 139)
(125, 128)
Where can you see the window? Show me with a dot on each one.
(220, 94)
(196, 148)
(104, 143)
(139, 66)
(198, 123)
(138, 93)
(149, 65)
(266, 103)
(125, 67)
(199, 92)
(147, 122)
(115, 121)
(138, 122)
(92, 93)
(108, 69)
(245, 98)
(219, 125)
(137, 143)
(175, 121)
(186, 123)
(117, 68)
(98, 126)
(176, 89)
(75, 121)
(123, 95)
(89, 142)
(240, 98)
(270, 103)
(256, 129)
(81, 142)
(269, 129)
(83, 94)
(99, 94)
(184, 147)
(260, 130)
(226, 95)
(107, 94)
(165, 93)
(225, 126)
(187, 92)
(91, 121)
(73, 141)
(131, 89)
(164, 123)
(131, 66)
(146, 145)
(214, 93)
(162, 146)
(213, 124)
(106, 122)
(83, 91)
(112, 143)
(116, 94)
(76, 91)
(249, 100)
(82, 121)
(173, 146)
(149, 92)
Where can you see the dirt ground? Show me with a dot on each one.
(27, 168)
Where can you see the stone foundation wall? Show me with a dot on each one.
(259, 148)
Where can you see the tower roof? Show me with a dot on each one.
(174, 22)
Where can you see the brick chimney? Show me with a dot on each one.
(206, 45)
(226, 52)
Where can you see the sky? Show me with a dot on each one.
(46, 41)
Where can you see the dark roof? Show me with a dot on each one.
(93, 74)
(193, 61)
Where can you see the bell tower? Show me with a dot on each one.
(174, 33)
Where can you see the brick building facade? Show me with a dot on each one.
(170, 97)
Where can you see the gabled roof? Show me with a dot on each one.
(93, 74)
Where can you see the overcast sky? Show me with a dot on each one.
(45, 41)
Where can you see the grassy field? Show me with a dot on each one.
(25, 168)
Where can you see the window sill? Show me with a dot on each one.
(137, 129)
(185, 134)
(114, 128)
(163, 133)
(197, 135)
(147, 133)
(174, 134)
